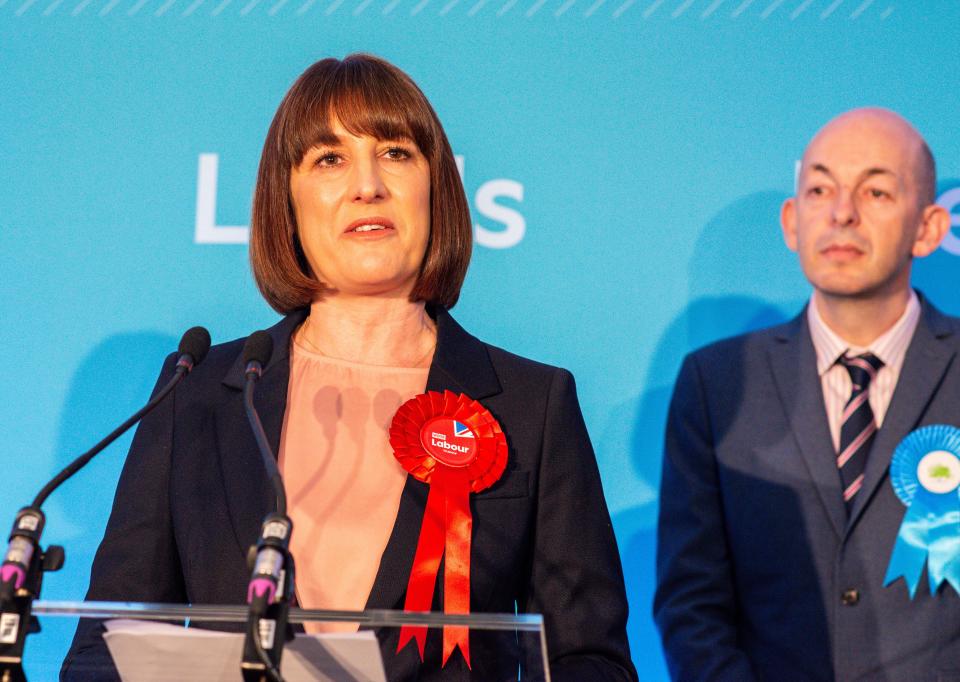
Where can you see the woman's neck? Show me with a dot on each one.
(390, 332)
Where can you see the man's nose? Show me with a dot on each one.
(845, 209)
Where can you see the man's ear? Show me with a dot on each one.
(788, 222)
(934, 225)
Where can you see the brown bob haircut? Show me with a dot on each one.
(368, 96)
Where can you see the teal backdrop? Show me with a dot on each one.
(625, 161)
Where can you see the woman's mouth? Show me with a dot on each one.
(368, 225)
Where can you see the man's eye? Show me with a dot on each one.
(817, 191)
(878, 193)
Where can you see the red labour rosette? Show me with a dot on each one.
(454, 444)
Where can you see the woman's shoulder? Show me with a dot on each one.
(506, 362)
(460, 347)
(224, 361)
(224, 354)
(516, 384)
(219, 361)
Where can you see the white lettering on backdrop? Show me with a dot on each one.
(206, 230)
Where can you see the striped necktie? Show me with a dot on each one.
(857, 425)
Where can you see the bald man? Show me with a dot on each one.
(777, 515)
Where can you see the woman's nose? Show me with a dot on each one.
(368, 184)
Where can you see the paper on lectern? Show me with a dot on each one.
(159, 652)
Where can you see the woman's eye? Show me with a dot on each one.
(398, 153)
(328, 159)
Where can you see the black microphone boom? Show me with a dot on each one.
(21, 574)
(256, 356)
(271, 586)
(192, 350)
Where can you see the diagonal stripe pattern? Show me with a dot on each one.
(857, 427)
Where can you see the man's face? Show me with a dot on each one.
(857, 220)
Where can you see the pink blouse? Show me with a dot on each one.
(343, 482)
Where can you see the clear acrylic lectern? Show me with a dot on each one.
(153, 640)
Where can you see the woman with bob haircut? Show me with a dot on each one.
(360, 238)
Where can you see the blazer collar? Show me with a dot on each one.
(924, 367)
(793, 364)
(281, 333)
(248, 491)
(461, 363)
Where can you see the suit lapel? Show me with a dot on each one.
(460, 364)
(793, 363)
(924, 366)
(249, 492)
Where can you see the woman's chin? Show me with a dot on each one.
(374, 287)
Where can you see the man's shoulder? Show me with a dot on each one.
(939, 322)
(747, 345)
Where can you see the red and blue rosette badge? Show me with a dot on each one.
(452, 443)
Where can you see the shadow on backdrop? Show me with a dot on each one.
(112, 382)
(741, 277)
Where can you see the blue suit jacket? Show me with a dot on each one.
(755, 546)
(193, 494)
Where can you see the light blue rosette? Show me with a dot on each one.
(925, 473)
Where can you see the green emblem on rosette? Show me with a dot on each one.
(925, 473)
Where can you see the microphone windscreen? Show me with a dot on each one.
(195, 343)
(258, 348)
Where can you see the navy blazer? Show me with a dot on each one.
(761, 574)
(193, 494)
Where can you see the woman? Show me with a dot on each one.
(361, 237)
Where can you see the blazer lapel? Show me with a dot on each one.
(924, 366)
(249, 493)
(793, 363)
(460, 364)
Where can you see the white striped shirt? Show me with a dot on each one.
(890, 347)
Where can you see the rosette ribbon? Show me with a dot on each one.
(925, 473)
(452, 443)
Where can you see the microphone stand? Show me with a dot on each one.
(25, 562)
(271, 587)
(22, 575)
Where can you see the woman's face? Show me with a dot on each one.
(363, 213)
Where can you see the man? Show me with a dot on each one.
(777, 514)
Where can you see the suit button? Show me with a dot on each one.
(850, 597)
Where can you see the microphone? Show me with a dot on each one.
(193, 348)
(257, 352)
(272, 573)
(21, 573)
